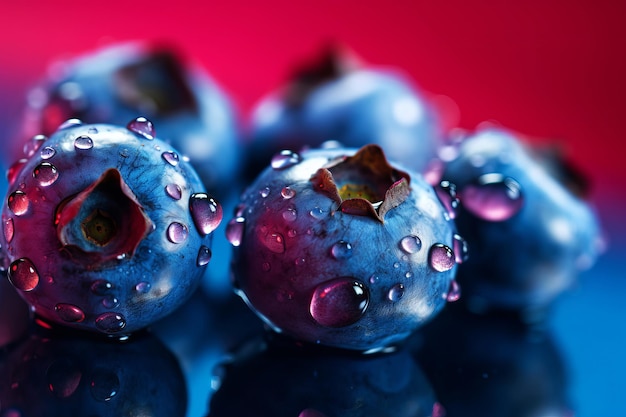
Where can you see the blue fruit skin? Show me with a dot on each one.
(134, 289)
(72, 374)
(280, 286)
(367, 105)
(524, 262)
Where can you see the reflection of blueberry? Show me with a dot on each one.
(292, 380)
(492, 365)
(105, 228)
(70, 374)
(340, 248)
(337, 99)
(528, 235)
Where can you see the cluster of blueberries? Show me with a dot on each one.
(379, 252)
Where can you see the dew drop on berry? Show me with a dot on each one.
(275, 242)
(18, 203)
(206, 213)
(341, 250)
(446, 192)
(8, 229)
(46, 174)
(441, 257)
(143, 127)
(143, 287)
(285, 159)
(110, 301)
(411, 244)
(110, 322)
(290, 214)
(493, 198)
(287, 193)
(69, 313)
(374, 279)
(104, 384)
(265, 192)
(174, 191)
(34, 144)
(292, 233)
(62, 377)
(204, 256)
(70, 123)
(23, 275)
(100, 287)
(83, 143)
(177, 232)
(266, 267)
(317, 213)
(339, 302)
(459, 245)
(47, 152)
(234, 230)
(454, 292)
(15, 169)
(396, 292)
(171, 158)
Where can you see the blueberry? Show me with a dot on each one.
(106, 229)
(529, 235)
(341, 248)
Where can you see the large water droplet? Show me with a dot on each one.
(46, 174)
(339, 302)
(454, 292)
(204, 256)
(205, 212)
(15, 169)
(459, 245)
(446, 191)
(396, 292)
(493, 198)
(47, 152)
(171, 158)
(234, 230)
(69, 313)
(285, 159)
(177, 232)
(275, 242)
(18, 203)
(441, 257)
(110, 322)
(341, 250)
(70, 123)
(101, 287)
(287, 193)
(63, 377)
(83, 142)
(34, 144)
(143, 127)
(410, 244)
(104, 384)
(174, 191)
(23, 275)
(8, 229)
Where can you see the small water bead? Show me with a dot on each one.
(206, 212)
(290, 214)
(15, 169)
(83, 142)
(411, 244)
(171, 158)
(204, 256)
(341, 250)
(275, 242)
(396, 292)
(374, 279)
(110, 322)
(63, 377)
(266, 267)
(70, 123)
(177, 232)
(46, 174)
(8, 229)
(100, 287)
(174, 191)
(92, 130)
(339, 302)
(493, 198)
(441, 257)
(18, 203)
(300, 261)
(318, 213)
(265, 192)
(69, 313)
(234, 230)
(110, 302)
(47, 152)
(287, 193)
(409, 274)
(446, 191)
(292, 233)
(104, 384)
(143, 127)
(34, 144)
(23, 275)
(454, 292)
(285, 159)
(396, 265)
(461, 251)
(143, 287)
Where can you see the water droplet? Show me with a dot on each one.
(143, 127)
(341, 250)
(143, 287)
(493, 198)
(15, 169)
(23, 275)
(110, 322)
(92, 130)
(300, 261)
(285, 159)
(46, 174)
(446, 191)
(396, 292)
(204, 256)
(47, 152)
(206, 213)
(441, 257)
(9, 230)
(317, 213)
(174, 191)
(105, 384)
(266, 267)
(177, 232)
(275, 242)
(292, 233)
(454, 292)
(69, 313)
(287, 193)
(459, 245)
(411, 244)
(70, 123)
(171, 157)
(63, 377)
(234, 230)
(265, 192)
(339, 302)
(34, 144)
(101, 287)
(396, 265)
(409, 274)
(290, 214)
(110, 302)
(374, 279)
(83, 142)
(18, 203)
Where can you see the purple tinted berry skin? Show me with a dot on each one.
(528, 235)
(326, 272)
(102, 229)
